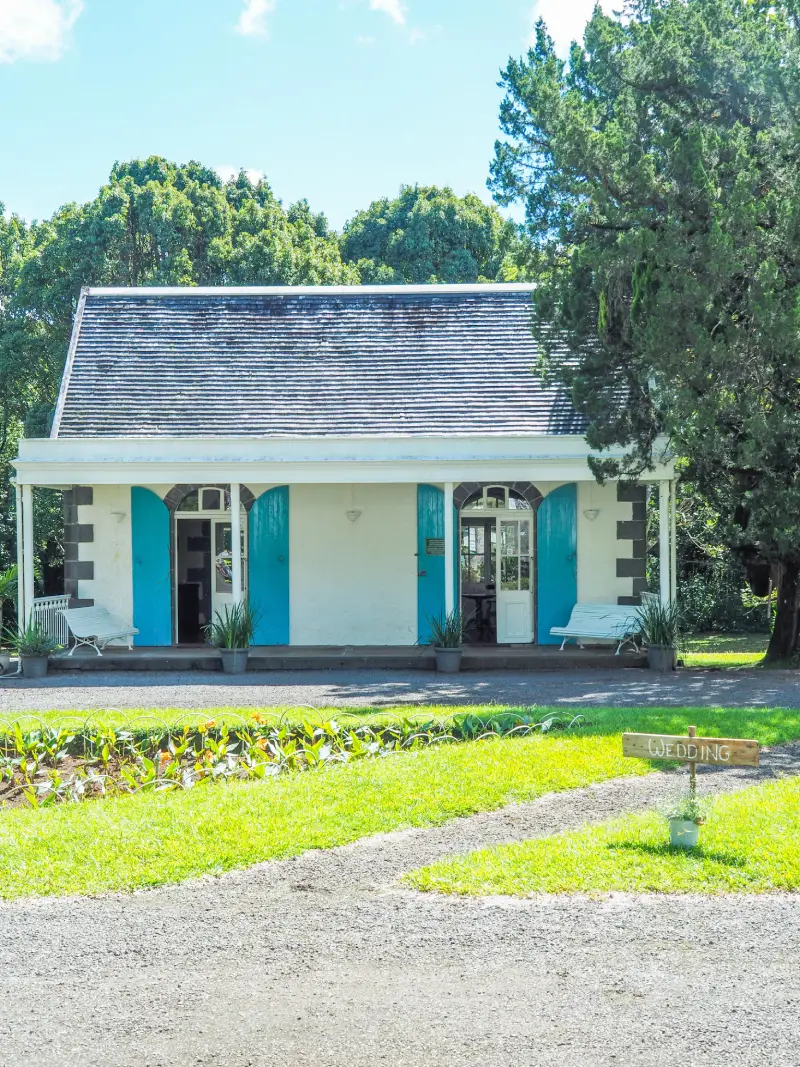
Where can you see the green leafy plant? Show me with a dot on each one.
(233, 628)
(32, 641)
(660, 623)
(8, 590)
(447, 630)
(687, 808)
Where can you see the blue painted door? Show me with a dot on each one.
(268, 566)
(557, 560)
(430, 558)
(152, 585)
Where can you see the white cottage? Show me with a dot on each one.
(378, 455)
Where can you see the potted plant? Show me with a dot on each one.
(8, 591)
(232, 632)
(447, 632)
(685, 819)
(34, 646)
(660, 630)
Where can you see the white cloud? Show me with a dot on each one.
(36, 29)
(253, 19)
(417, 36)
(226, 171)
(393, 8)
(565, 20)
(365, 42)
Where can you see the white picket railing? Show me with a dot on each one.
(46, 612)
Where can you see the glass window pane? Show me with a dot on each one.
(525, 538)
(509, 573)
(525, 572)
(189, 502)
(211, 499)
(222, 557)
(508, 538)
(474, 501)
(517, 502)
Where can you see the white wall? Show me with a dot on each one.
(112, 586)
(353, 582)
(598, 546)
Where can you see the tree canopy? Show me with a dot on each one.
(660, 172)
(428, 234)
(160, 223)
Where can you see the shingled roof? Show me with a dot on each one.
(303, 361)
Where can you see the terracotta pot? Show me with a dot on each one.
(33, 666)
(683, 833)
(662, 658)
(234, 660)
(448, 660)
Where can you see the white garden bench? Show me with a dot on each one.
(601, 622)
(95, 627)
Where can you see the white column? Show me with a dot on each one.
(673, 544)
(27, 549)
(236, 543)
(449, 558)
(20, 558)
(663, 541)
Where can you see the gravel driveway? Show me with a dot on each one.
(323, 960)
(623, 688)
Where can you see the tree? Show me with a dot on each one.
(660, 172)
(153, 223)
(427, 234)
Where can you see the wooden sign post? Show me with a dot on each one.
(718, 751)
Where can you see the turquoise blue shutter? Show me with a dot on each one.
(268, 567)
(430, 569)
(152, 585)
(557, 560)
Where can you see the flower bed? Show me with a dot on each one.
(61, 763)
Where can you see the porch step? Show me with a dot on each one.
(299, 658)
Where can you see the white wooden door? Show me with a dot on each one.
(221, 563)
(514, 593)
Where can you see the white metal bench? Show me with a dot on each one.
(601, 622)
(95, 627)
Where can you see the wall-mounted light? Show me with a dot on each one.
(354, 515)
(591, 513)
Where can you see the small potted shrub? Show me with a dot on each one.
(34, 646)
(447, 632)
(660, 630)
(232, 632)
(685, 819)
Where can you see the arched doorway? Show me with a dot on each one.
(497, 557)
(202, 555)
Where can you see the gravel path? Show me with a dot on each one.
(323, 960)
(623, 688)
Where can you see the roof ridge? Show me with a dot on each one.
(432, 289)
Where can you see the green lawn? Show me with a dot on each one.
(154, 838)
(750, 844)
(724, 650)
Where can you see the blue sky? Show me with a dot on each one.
(339, 101)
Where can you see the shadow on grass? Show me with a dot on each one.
(729, 859)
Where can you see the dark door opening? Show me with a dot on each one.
(194, 579)
(478, 580)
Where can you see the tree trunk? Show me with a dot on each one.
(783, 643)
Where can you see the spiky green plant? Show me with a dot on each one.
(233, 628)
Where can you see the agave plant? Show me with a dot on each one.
(447, 631)
(32, 641)
(660, 623)
(233, 628)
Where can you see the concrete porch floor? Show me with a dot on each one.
(348, 657)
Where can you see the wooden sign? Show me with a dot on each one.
(720, 751)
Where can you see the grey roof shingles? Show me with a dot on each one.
(432, 360)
